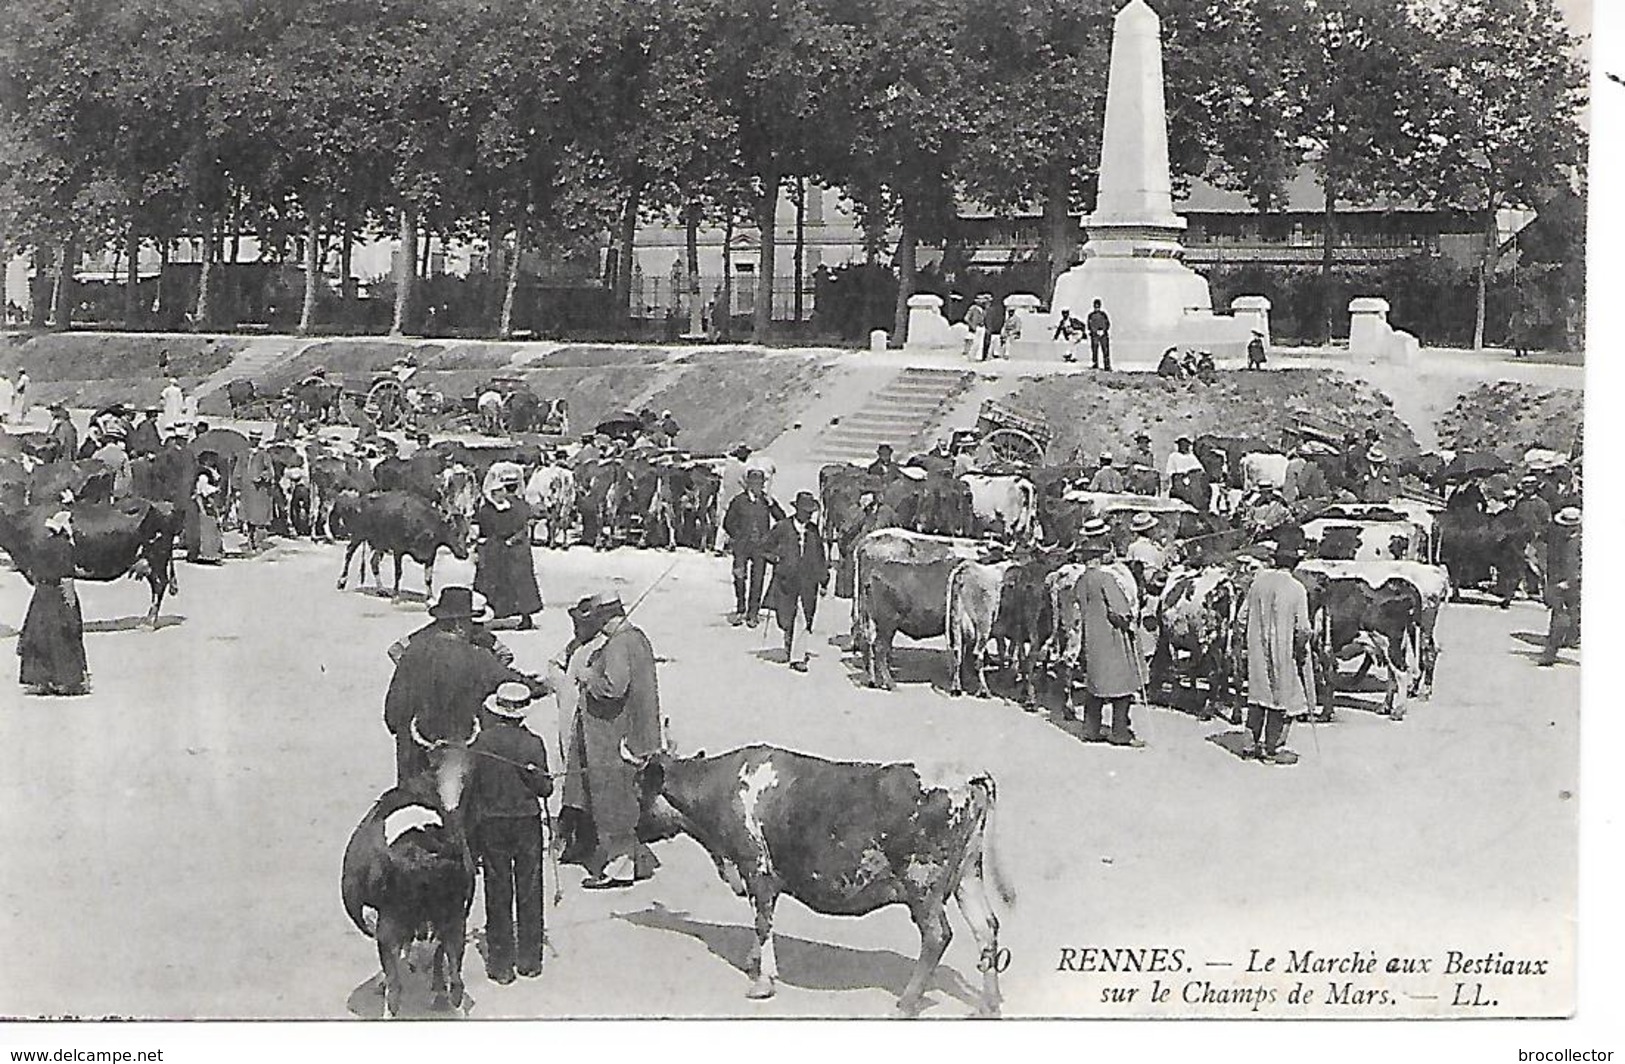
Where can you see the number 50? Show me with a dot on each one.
(994, 960)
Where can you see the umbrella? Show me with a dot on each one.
(1475, 464)
(622, 426)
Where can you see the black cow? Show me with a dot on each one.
(241, 394)
(409, 862)
(133, 537)
(399, 524)
(697, 507)
(939, 505)
(88, 479)
(333, 475)
(1026, 621)
(844, 839)
(1475, 547)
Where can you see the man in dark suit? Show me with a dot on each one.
(748, 523)
(800, 575)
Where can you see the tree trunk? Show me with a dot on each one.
(424, 265)
(491, 290)
(505, 326)
(405, 271)
(726, 305)
(1328, 244)
(132, 295)
(767, 211)
(801, 244)
(907, 274)
(1057, 225)
(1486, 266)
(62, 293)
(346, 263)
(205, 279)
(629, 237)
(39, 300)
(691, 248)
(313, 273)
(159, 305)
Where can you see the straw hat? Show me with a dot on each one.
(1142, 522)
(509, 701)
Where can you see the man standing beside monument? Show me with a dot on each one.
(1099, 325)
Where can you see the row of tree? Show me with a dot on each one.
(527, 123)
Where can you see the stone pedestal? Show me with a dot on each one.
(1372, 339)
(1254, 312)
(877, 341)
(1132, 259)
(928, 330)
(1368, 328)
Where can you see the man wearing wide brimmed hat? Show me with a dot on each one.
(1113, 665)
(444, 676)
(509, 776)
(800, 575)
(1379, 484)
(1273, 626)
(1563, 583)
(1533, 516)
(619, 705)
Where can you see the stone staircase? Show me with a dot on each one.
(898, 414)
(254, 362)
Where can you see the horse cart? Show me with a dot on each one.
(1005, 437)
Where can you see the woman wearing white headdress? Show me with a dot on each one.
(503, 570)
(51, 645)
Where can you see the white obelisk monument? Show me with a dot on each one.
(1132, 255)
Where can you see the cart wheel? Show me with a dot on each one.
(1015, 447)
(386, 403)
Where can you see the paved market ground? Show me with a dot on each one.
(172, 840)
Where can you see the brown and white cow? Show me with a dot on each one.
(844, 839)
(1384, 613)
(1195, 615)
(551, 495)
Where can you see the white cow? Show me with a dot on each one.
(1260, 468)
(1008, 500)
(551, 495)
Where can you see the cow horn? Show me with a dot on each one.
(626, 754)
(418, 738)
(474, 733)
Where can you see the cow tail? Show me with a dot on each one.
(991, 865)
(955, 637)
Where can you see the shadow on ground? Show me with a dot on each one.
(417, 991)
(133, 624)
(807, 965)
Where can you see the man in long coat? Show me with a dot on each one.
(619, 702)
(1113, 665)
(255, 502)
(442, 679)
(1563, 583)
(800, 575)
(63, 434)
(1273, 624)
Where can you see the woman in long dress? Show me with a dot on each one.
(52, 642)
(206, 547)
(503, 570)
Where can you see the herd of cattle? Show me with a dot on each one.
(917, 559)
